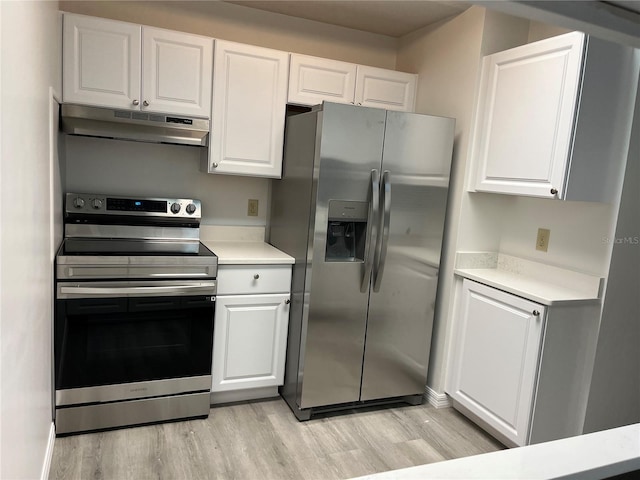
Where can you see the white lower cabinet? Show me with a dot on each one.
(250, 332)
(498, 345)
(521, 369)
(250, 337)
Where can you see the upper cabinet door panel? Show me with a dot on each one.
(388, 89)
(177, 72)
(313, 80)
(249, 102)
(101, 62)
(525, 117)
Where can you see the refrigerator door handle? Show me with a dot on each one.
(381, 252)
(372, 229)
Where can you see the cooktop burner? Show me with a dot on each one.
(122, 247)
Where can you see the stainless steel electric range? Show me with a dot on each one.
(133, 326)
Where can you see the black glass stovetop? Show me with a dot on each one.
(123, 247)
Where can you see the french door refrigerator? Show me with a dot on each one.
(361, 207)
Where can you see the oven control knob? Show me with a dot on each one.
(175, 207)
(96, 203)
(78, 202)
(191, 208)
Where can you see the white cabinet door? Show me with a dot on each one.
(101, 62)
(313, 80)
(249, 341)
(176, 73)
(248, 114)
(388, 89)
(498, 342)
(525, 117)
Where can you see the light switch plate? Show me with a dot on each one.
(542, 242)
(252, 207)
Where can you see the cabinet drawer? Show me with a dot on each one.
(240, 279)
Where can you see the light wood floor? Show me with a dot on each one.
(263, 440)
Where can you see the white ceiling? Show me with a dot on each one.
(394, 18)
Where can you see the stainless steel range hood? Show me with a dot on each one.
(134, 125)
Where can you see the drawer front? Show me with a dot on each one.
(240, 279)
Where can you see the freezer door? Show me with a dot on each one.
(413, 198)
(335, 311)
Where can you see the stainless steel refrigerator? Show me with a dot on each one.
(361, 207)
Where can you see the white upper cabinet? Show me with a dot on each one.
(121, 65)
(388, 89)
(101, 62)
(248, 113)
(526, 117)
(551, 118)
(177, 72)
(313, 80)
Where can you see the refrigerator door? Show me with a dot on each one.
(413, 199)
(335, 314)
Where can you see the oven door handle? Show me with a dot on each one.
(95, 291)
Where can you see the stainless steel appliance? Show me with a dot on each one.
(132, 125)
(133, 326)
(361, 207)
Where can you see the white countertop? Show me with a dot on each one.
(242, 245)
(247, 253)
(544, 284)
(591, 456)
(535, 290)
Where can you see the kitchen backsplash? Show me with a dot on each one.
(142, 169)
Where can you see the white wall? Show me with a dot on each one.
(29, 65)
(447, 57)
(540, 31)
(579, 230)
(578, 233)
(117, 167)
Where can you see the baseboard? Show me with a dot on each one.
(243, 395)
(49, 454)
(438, 400)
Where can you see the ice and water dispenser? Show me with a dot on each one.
(346, 231)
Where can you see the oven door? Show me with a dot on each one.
(124, 340)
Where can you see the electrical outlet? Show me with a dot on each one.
(252, 207)
(542, 242)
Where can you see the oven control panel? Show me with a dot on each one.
(136, 206)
